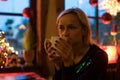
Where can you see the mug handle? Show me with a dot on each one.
(47, 44)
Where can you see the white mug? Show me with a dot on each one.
(51, 42)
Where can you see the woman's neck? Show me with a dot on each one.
(79, 52)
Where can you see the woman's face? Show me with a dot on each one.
(70, 27)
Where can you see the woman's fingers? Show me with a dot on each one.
(59, 51)
(64, 49)
(63, 46)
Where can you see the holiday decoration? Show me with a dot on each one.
(111, 6)
(93, 2)
(114, 33)
(3, 0)
(106, 18)
(114, 30)
(27, 12)
(118, 1)
(5, 50)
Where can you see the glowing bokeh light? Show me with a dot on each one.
(112, 54)
(111, 6)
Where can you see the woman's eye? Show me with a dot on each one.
(61, 27)
(72, 27)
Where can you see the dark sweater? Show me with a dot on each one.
(93, 66)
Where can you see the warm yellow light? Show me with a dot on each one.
(11, 48)
(7, 44)
(16, 52)
(113, 33)
(1, 66)
(111, 6)
(3, 40)
(112, 55)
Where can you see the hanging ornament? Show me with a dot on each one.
(106, 18)
(3, 0)
(118, 1)
(93, 2)
(27, 12)
(111, 6)
(114, 30)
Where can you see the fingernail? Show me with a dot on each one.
(53, 49)
(55, 44)
(56, 41)
(60, 38)
(53, 53)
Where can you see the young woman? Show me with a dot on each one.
(79, 58)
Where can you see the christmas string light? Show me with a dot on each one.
(111, 6)
(5, 49)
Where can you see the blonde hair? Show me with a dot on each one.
(83, 19)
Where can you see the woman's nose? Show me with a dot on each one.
(66, 33)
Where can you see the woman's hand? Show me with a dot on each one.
(52, 56)
(61, 53)
(64, 49)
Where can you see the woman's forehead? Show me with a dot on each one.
(69, 18)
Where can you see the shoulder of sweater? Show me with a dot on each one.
(96, 50)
